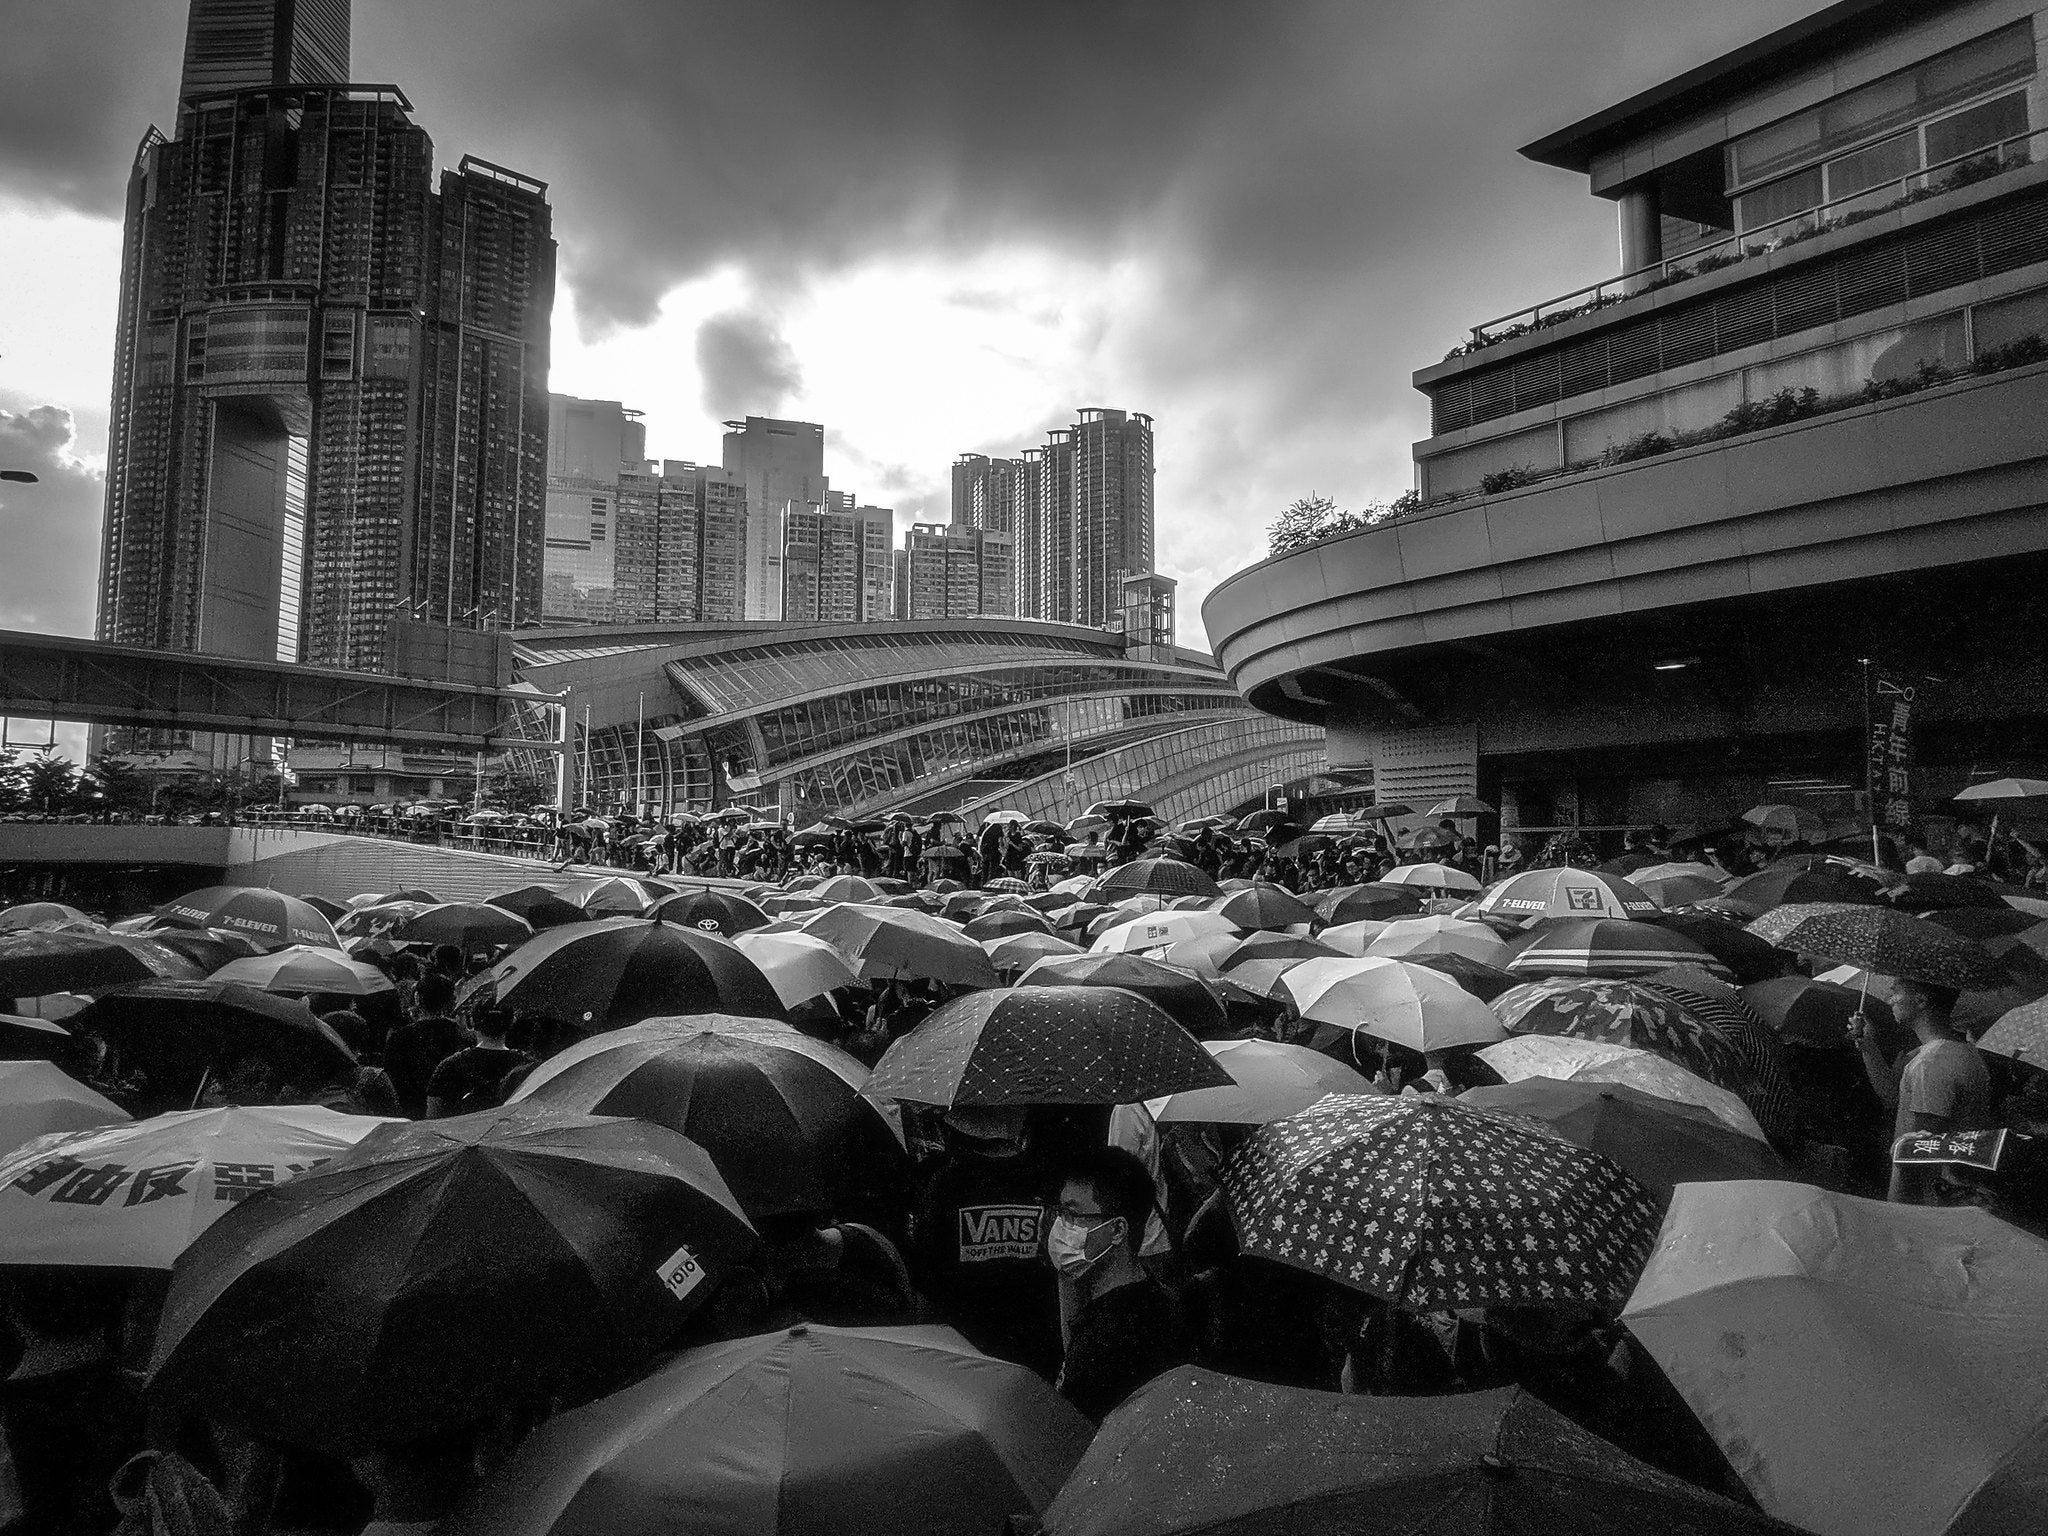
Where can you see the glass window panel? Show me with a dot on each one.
(1886, 160)
(1977, 127)
(2007, 320)
(1779, 199)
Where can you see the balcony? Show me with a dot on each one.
(1951, 175)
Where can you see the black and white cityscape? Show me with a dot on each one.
(1030, 769)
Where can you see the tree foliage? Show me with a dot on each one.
(1314, 517)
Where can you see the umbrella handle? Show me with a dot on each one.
(196, 1092)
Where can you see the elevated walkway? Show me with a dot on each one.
(336, 865)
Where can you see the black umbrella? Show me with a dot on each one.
(1000, 925)
(440, 1272)
(599, 975)
(540, 905)
(327, 907)
(1929, 893)
(1263, 905)
(208, 951)
(1754, 895)
(40, 960)
(780, 1114)
(1815, 1013)
(1276, 946)
(1658, 1143)
(1189, 1000)
(1982, 923)
(1373, 902)
(25, 1039)
(271, 918)
(1196, 1452)
(1164, 876)
(469, 925)
(712, 911)
(1883, 941)
(1747, 957)
(1724, 1010)
(176, 1032)
(1044, 1045)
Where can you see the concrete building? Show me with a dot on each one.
(951, 572)
(859, 719)
(329, 380)
(236, 45)
(836, 562)
(1079, 509)
(591, 446)
(778, 463)
(1671, 526)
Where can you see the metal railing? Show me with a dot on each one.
(1992, 160)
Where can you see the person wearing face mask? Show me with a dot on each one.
(977, 1239)
(1122, 1327)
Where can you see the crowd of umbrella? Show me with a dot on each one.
(341, 1282)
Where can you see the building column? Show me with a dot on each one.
(1642, 232)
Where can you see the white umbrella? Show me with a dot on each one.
(1269, 1081)
(300, 968)
(1155, 930)
(1410, 1005)
(135, 1196)
(884, 943)
(37, 1099)
(1004, 819)
(1439, 936)
(1205, 954)
(1870, 1369)
(1599, 1061)
(2007, 789)
(799, 966)
(1437, 877)
(1352, 938)
(1015, 951)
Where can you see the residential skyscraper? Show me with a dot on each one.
(329, 396)
(1111, 465)
(233, 45)
(836, 562)
(1079, 509)
(778, 463)
(950, 572)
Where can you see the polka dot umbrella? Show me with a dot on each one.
(1044, 1045)
(1432, 1204)
(1883, 941)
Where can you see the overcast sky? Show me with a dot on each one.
(935, 227)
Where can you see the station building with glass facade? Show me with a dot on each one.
(856, 719)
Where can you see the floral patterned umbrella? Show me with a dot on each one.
(1045, 1045)
(1623, 1013)
(1432, 1203)
(1883, 941)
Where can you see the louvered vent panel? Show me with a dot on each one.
(1535, 381)
(1743, 318)
(1450, 407)
(1685, 335)
(1941, 258)
(2016, 236)
(1492, 395)
(1582, 366)
(1870, 280)
(1632, 352)
(1804, 299)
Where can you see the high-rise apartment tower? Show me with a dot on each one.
(329, 401)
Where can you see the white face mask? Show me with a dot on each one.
(1076, 1247)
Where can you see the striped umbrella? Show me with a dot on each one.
(1606, 947)
(1623, 1013)
(1725, 1011)
(1567, 893)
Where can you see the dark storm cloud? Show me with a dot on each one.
(747, 368)
(49, 531)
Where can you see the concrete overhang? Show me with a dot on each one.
(1946, 477)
